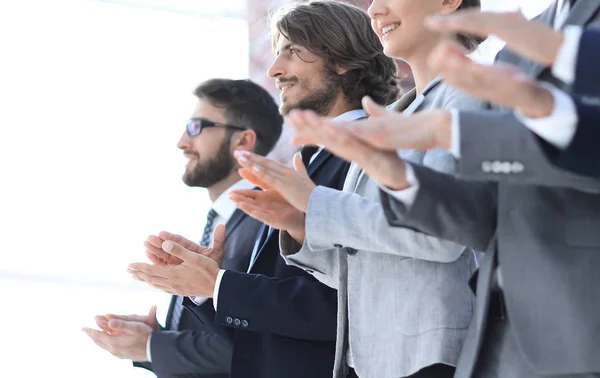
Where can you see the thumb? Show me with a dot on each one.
(299, 164)
(372, 108)
(152, 313)
(218, 245)
(175, 249)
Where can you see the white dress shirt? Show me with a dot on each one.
(224, 207)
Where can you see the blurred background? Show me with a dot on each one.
(94, 95)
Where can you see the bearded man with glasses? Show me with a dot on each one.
(229, 115)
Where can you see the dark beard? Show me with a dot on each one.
(319, 101)
(214, 170)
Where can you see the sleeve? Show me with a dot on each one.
(337, 218)
(449, 208)
(298, 307)
(582, 155)
(559, 127)
(320, 263)
(189, 352)
(496, 146)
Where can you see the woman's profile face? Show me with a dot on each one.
(400, 24)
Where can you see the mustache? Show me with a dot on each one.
(292, 79)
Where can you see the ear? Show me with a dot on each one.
(341, 70)
(245, 141)
(449, 6)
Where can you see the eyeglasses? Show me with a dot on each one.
(196, 125)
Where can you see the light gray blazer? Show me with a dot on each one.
(540, 222)
(402, 294)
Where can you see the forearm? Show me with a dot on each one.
(449, 208)
(496, 146)
(339, 218)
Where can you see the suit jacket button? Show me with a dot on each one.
(351, 251)
(229, 320)
(244, 323)
(237, 322)
(338, 246)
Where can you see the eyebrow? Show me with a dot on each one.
(285, 48)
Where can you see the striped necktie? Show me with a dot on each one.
(205, 242)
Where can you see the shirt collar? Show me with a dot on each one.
(224, 206)
(352, 115)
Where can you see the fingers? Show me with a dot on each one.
(270, 172)
(256, 212)
(102, 322)
(252, 178)
(154, 250)
(100, 338)
(129, 318)
(127, 327)
(372, 108)
(532, 39)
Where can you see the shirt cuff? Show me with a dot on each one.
(455, 136)
(406, 196)
(148, 349)
(217, 286)
(558, 128)
(566, 58)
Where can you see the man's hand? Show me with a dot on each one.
(531, 39)
(195, 276)
(128, 340)
(150, 320)
(158, 256)
(390, 130)
(499, 83)
(293, 184)
(382, 165)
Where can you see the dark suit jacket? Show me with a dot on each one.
(582, 155)
(283, 319)
(587, 77)
(541, 224)
(196, 350)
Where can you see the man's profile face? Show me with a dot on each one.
(209, 154)
(302, 79)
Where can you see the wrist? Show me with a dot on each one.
(297, 234)
(442, 129)
(542, 104)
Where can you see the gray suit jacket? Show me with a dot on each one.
(196, 350)
(403, 298)
(539, 222)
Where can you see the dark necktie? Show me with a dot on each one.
(205, 242)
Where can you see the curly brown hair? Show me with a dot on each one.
(341, 34)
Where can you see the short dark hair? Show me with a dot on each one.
(469, 42)
(341, 34)
(248, 105)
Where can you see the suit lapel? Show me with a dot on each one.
(319, 161)
(233, 222)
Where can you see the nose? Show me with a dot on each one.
(277, 69)
(377, 8)
(184, 142)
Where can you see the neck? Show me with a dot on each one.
(219, 188)
(422, 72)
(341, 106)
